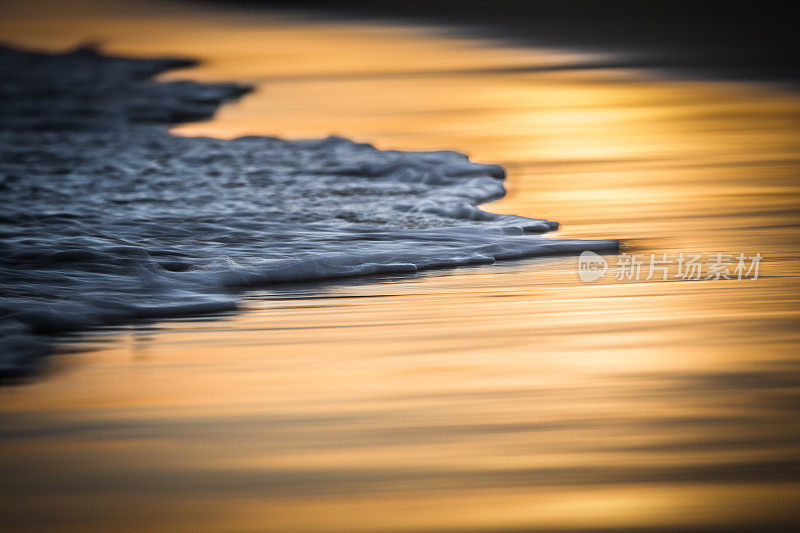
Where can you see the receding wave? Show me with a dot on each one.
(108, 218)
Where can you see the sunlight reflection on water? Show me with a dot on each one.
(510, 396)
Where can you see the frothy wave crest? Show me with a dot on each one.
(108, 218)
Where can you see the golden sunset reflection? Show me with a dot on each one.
(506, 397)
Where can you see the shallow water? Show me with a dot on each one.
(511, 396)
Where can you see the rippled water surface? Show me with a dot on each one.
(511, 396)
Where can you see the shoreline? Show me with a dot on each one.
(135, 223)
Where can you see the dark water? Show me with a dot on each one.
(109, 219)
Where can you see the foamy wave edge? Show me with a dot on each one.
(117, 220)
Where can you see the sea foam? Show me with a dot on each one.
(107, 218)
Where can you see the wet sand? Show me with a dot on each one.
(506, 397)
